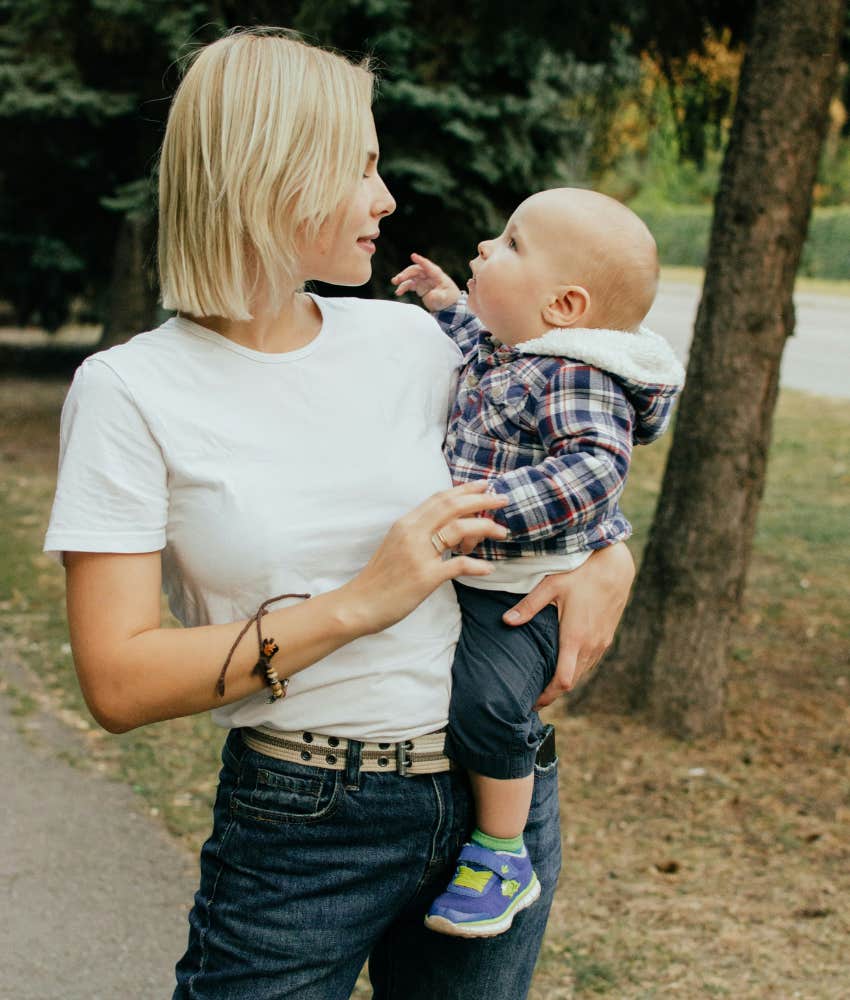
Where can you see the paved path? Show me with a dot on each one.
(93, 892)
(816, 358)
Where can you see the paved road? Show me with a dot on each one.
(816, 358)
(93, 892)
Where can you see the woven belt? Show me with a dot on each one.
(422, 755)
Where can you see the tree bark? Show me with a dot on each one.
(132, 298)
(670, 657)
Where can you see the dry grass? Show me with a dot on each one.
(718, 868)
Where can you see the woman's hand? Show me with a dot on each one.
(430, 282)
(132, 671)
(410, 564)
(590, 602)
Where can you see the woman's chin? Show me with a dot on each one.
(347, 277)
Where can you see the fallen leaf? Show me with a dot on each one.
(667, 867)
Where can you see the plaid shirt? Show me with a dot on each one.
(552, 433)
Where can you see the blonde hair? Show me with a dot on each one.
(264, 141)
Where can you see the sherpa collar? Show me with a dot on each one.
(640, 357)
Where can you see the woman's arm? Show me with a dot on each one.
(590, 602)
(132, 671)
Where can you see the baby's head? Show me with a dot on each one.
(567, 258)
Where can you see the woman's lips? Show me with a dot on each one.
(367, 243)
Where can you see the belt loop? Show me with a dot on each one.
(402, 757)
(352, 766)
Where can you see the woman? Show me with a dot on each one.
(263, 442)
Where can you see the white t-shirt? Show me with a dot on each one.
(259, 474)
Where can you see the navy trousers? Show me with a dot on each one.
(498, 674)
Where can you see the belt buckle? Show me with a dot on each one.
(402, 761)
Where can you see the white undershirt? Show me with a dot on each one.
(258, 474)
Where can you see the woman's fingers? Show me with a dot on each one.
(466, 532)
(406, 566)
(454, 517)
(465, 566)
(460, 501)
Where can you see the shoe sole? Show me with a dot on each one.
(477, 930)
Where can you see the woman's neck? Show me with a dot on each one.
(294, 325)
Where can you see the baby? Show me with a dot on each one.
(559, 380)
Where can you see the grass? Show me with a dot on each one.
(682, 233)
(695, 276)
(715, 868)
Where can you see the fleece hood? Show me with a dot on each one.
(642, 362)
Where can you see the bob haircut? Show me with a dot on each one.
(264, 141)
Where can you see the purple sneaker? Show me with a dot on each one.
(488, 889)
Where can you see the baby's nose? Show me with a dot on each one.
(483, 248)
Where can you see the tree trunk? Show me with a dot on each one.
(132, 297)
(670, 657)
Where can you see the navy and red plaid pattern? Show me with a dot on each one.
(553, 434)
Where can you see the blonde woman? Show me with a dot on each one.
(266, 441)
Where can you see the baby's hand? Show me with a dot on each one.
(431, 283)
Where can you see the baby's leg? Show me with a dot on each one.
(498, 674)
(494, 732)
(501, 806)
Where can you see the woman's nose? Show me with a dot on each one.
(385, 203)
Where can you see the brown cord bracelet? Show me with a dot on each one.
(267, 648)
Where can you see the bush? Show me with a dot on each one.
(682, 236)
(827, 250)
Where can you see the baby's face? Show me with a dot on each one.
(514, 274)
(567, 257)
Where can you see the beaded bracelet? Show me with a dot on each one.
(267, 647)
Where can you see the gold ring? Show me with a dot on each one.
(439, 542)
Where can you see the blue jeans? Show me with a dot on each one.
(308, 873)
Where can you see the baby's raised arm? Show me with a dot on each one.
(430, 282)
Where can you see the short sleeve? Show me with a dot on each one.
(112, 489)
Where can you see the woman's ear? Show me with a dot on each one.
(567, 307)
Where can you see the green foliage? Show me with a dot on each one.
(477, 107)
(81, 114)
(833, 183)
(682, 234)
(827, 250)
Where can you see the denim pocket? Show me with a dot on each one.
(546, 770)
(273, 791)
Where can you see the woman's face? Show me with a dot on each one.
(342, 252)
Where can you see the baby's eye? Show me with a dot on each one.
(512, 243)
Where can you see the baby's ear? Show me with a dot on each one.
(567, 307)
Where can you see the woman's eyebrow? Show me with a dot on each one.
(371, 157)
